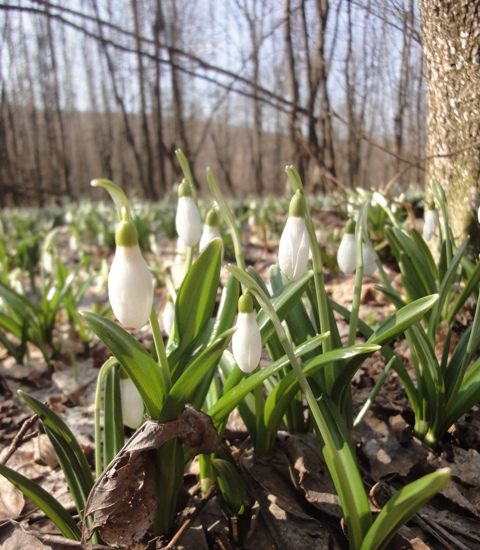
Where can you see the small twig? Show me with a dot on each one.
(191, 518)
(19, 438)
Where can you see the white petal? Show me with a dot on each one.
(132, 404)
(346, 253)
(130, 287)
(247, 342)
(209, 233)
(294, 248)
(369, 265)
(430, 225)
(168, 317)
(187, 221)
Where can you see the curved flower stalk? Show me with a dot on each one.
(210, 230)
(246, 342)
(294, 247)
(132, 404)
(130, 283)
(187, 220)
(431, 221)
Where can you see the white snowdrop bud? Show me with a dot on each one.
(130, 283)
(431, 221)
(210, 230)
(132, 404)
(187, 220)
(246, 342)
(168, 316)
(294, 247)
(346, 251)
(369, 265)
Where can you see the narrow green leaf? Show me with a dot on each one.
(402, 507)
(227, 309)
(196, 300)
(66, 440)
(134, 358)
(185, 389)
(45, 501)
(113, 430)
(232, 487)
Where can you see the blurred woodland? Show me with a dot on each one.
(103, 88)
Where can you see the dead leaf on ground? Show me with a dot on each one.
(12, 500)
(123, 499)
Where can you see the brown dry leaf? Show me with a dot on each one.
(12, 500)
(123, 500)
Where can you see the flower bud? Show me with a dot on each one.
(130, 283)
(246, 342)
(168, 316)
(431, 221)
(210, 230)
(187, 220)
(294, 247)
(132, 404)
(346, 258)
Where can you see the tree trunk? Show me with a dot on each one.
(451, 38)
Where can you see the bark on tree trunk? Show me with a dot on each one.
(451, 49)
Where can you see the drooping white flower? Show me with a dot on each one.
(132, 404)
(294, 247)
(431, 221)
(246, 342)
(210, 230)
(187, 220)
(130, 283)
(346, 258)
(168, 317)
(369, 265)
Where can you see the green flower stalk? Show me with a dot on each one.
(187, 220)
(130, 283)
(247, 342)
(294, 247)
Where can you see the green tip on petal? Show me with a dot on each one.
(298, 205)
(126, 234)
(245, 303)
(212, 218)
(184, 189)
(350, 227)
(431, 205)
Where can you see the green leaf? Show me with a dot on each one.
(113, 430)
(134, 358)
(195, 301)
(227, 309)
(402, 507)
(70, 455)
(232, 487)
(44, 500)
(185, 389)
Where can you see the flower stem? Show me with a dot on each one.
(161, 353)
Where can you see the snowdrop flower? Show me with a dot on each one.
(294, 247)
(369, 265)
(478, 214)
(431, 221)
(187, 220)
(347, 253)
(346, 258)
(246, 342)
(168, 316)
(130, 283)
(132, 404)
(210, 230)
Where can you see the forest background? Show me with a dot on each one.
(103, 88)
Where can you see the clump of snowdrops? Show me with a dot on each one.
(286, 348)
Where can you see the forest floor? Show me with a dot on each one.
(296, 506)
